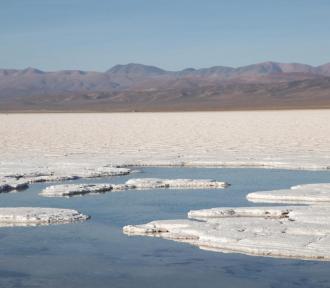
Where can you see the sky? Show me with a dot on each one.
(171, 34)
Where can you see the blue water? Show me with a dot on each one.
(96, 253)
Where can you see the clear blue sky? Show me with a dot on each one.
(172, 34)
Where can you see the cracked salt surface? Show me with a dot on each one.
(289, 231)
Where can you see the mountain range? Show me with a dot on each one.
(137, 87)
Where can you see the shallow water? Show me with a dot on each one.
(96, 253)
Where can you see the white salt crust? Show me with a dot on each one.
(285, 231)
(268, 139)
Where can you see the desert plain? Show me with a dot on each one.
(297, 139)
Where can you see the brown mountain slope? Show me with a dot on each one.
(137, 87)
(311, 93)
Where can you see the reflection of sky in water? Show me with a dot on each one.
(96, 253)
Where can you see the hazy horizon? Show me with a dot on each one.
(151, 65)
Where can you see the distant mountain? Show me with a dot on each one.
(323, 69)
(136, 70)
(146, 88)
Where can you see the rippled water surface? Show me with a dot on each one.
(96, 253)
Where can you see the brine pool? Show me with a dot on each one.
(96, 253)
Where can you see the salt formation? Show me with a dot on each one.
(285, 231)
(33, 216)
(75, 189)
(45, 175)
(8, 185)
(309, 193)
(51, 178)
(20, 181)
(144, 183)
(139, 183)
(106, 171)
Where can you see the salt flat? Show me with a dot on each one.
(285, 139)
